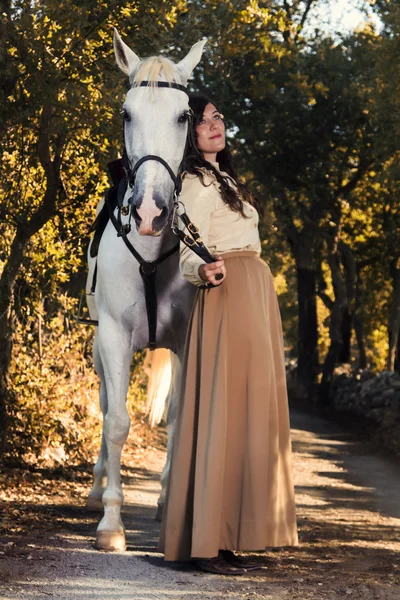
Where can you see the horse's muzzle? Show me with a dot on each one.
(148, 225)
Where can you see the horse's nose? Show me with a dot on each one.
(160, 222)
(150, 215)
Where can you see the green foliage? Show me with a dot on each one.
(59, 126)
(315, 123)
(314, 118)
(56, 417)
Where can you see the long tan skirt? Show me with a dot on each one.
(230, 484)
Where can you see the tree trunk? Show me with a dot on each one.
(5, 359)
(335, 330)
(19, 246)
(358, 324)
(394, 319)
(303, 244)
(359, 331)
(347, 328)
(350, 273)
(307, 365)
(397, 359)
(7, 283)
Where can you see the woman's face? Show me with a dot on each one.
(210, 133)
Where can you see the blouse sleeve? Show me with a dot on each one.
(200, 201)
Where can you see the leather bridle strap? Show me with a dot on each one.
(163, 84)
(192, 239)
(148, 271)
(176, 180)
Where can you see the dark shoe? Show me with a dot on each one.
(237, 561)
(218, 565)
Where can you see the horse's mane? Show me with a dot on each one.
(153, 69)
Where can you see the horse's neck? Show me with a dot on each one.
(151, 247)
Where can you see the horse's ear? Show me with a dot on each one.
(188, 63)
(126, 59)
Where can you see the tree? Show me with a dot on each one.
(58, 112)
(305, 114)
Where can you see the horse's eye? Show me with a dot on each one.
(183, 118)
(126, 115)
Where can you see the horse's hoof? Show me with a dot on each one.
(112, 541)
(159, 513)
(94, 504)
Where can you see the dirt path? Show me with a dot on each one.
(348, 502)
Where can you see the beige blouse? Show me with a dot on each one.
(221, 229)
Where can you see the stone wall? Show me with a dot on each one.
(373, 399)
(368, 401)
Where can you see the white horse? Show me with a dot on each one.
(156, 115)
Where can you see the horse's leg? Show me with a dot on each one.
(173, 399)
(116, 357)
(94, 501)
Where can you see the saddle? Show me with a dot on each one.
(117, 174)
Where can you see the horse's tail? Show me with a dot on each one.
(160, 365)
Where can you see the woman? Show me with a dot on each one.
(230, 485)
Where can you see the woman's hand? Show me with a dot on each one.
(211, 272)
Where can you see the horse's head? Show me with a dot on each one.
(155, 124)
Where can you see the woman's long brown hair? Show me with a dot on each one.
(194, 162)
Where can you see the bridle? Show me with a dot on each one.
(130, 169)
(114, 201)
(148, 269)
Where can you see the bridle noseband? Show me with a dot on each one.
(131, 173)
